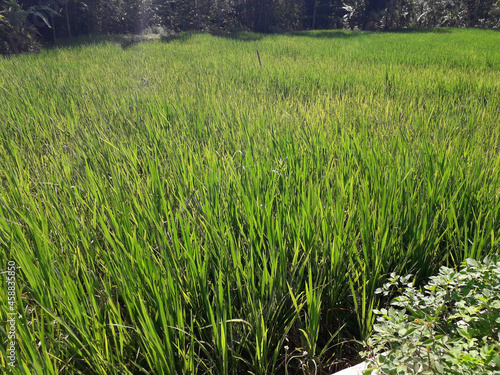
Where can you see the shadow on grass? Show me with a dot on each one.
(243, 36)
(330, 34)
(181, 37)
(421, 30)
(254, 37)
(127, 41)
(345, 34)
(80, 41)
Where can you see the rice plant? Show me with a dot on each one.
(175, 207)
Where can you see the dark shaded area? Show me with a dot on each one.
(334, 34)
(243, 36)
(128, 41)
(124, 41)
(182, 37)
(422, 30)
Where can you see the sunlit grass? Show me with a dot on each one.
(176, 208)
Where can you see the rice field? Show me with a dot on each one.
(174, 207)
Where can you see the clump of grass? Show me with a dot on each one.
(174, 208)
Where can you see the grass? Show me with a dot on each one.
(175, 208)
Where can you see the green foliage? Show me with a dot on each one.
(14, 38)
(223, 17)
(175, 207)
(17, 35)
(452, 327)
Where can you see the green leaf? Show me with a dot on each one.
(42, 16)
(428, 342)
(409, 331)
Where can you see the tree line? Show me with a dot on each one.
(24, 22)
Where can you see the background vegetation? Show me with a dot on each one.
(176, 207)
(54, 19)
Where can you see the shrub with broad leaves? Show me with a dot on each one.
(451, 327)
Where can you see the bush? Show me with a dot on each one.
(452, 327)
(17, 35)
(17, 40)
